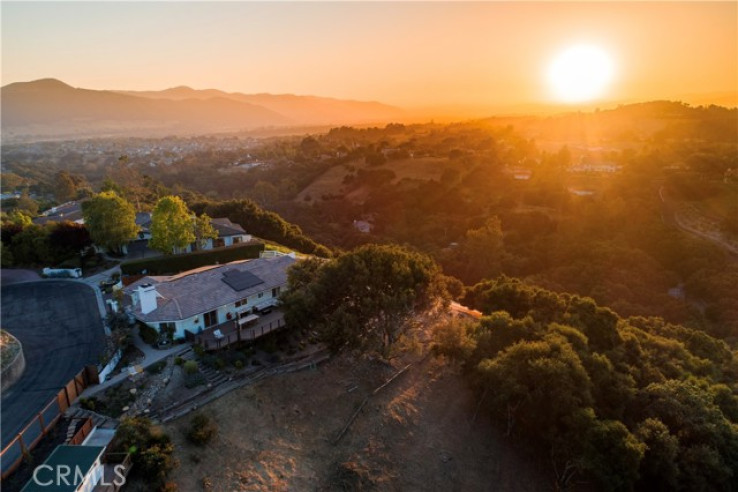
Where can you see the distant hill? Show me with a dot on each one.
(49, 108)
(304, 110)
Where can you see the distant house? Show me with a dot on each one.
(66, 212)
(229, 234)
(363, 226)
(143, 221)
(200, 299)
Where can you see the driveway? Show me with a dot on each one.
(13, 276)
(59, 325)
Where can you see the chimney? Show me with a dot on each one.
(147, 295)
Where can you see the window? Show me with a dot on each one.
(211, 318)
(242, 302)
(236, 239)
(261, 294)
(167, 329)
(219, 242)
(275, 292)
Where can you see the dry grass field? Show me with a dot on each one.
(416, 434)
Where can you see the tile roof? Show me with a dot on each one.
(70, 211)
(201, 290)
(226, 228)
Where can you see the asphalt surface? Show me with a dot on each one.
(58, 323)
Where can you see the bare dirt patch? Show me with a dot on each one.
(416, 434)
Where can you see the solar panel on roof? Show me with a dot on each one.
(239, 281)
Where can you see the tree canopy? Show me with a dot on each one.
(364, 298)
(634, 403)
(172, 225)
(110, 220)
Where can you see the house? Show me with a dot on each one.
(229, 234)
(143, 221)
(66, 212)
(203, 298)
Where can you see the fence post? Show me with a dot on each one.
(24, 449)
(66, 395)
(41, 421)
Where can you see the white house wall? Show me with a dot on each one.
(195, 327)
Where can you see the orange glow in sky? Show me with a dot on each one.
(408, 54)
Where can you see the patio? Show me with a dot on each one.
(224, 334)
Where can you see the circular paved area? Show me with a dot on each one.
(58, 322)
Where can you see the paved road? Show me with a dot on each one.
(13, 276)
(59, 325)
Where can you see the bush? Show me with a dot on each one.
(88, 403)
(219, 363)
(151, 449)
(238, 364)
(157, 368)
(193, 380)
(178, 360)
(179, 263)
(190, 367)
(199, 350)
(148, 334)
(202, 430)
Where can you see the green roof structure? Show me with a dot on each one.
(50, 476)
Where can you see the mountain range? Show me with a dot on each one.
(49, 108)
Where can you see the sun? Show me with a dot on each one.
(580, 73)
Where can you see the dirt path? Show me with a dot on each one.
(414, 435)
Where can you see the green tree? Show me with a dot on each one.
(485, 249)
(172, 226)
(365, 298)
(151, 449)
(204, 230)
(31, 246)
(65, 188)
(110, 220)
(27, 204)
(18, 217)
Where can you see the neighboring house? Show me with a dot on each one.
(69, 212)
(229, 234)
(193, 301)
(143, 221)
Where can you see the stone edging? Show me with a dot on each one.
(14, 370)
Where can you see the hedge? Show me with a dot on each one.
(170, 264)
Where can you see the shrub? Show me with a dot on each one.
(193, 380)
(238, 364)
(178, 360)
(199, 350)
(156, 368)
(202, 430)
(179, 263)
(219, 363)
(190, 367)
(148, 334)
(151, 449)
(88, 403)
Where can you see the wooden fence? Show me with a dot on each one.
(44, 421)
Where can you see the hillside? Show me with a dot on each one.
(303, 110)
(49, 108)
(418, 434)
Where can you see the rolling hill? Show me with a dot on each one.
(49, 108)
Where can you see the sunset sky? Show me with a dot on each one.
(408, 54)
